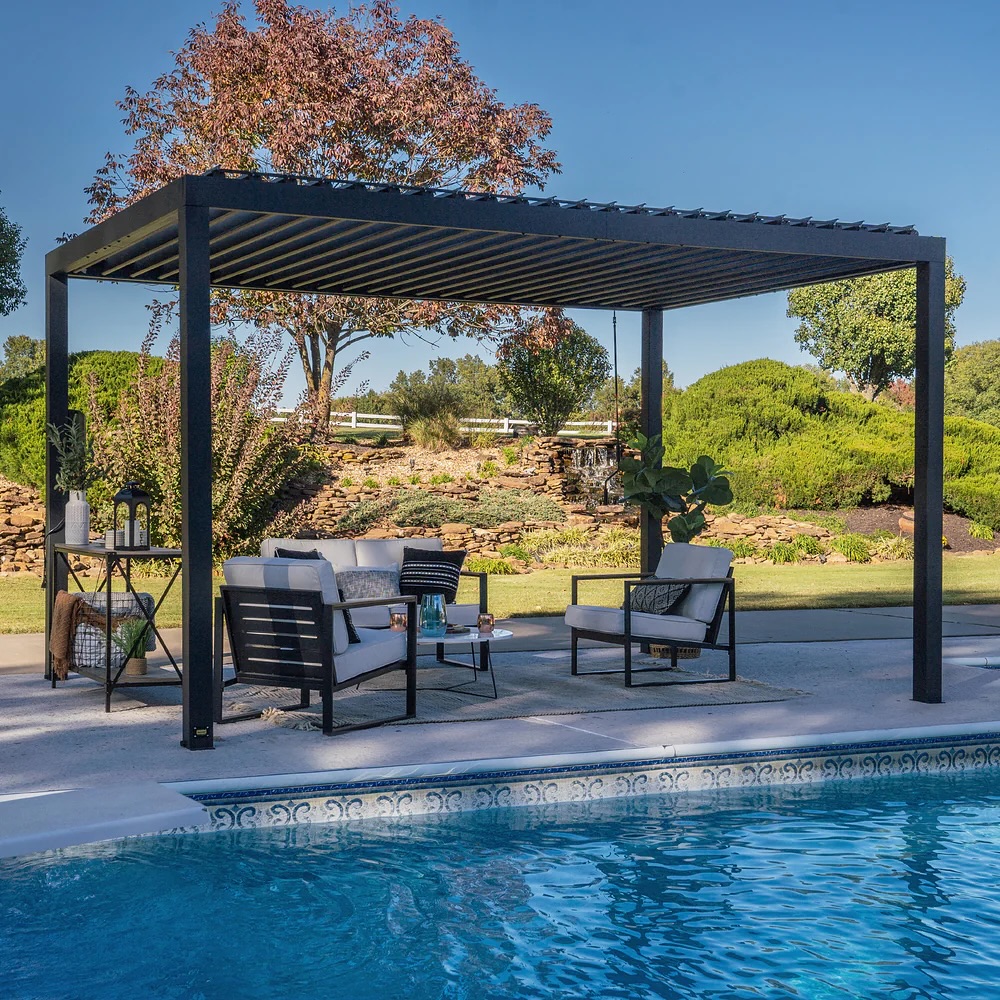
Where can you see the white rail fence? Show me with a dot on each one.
(499, 425)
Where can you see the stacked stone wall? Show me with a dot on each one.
(22, 529)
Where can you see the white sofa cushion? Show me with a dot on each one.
(378, 648)
(612, 622)
(381, 551)
(338, 551)
(291, 574)
(683, 561)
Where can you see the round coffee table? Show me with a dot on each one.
(473, 638)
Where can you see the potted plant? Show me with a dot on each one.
(678, 494)
(76, 474)
(669, 492)
(130, 637)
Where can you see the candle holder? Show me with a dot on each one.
(485, 624)
(397, 621)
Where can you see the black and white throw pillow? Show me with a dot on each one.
(658, 599)
(425, 571)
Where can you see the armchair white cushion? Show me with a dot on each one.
(695, 620)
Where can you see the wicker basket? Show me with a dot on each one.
(683, 652)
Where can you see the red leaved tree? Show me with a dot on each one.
(365, 95)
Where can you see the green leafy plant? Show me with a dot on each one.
(782, 552)
(435, 432)
(77, 470)
(346, 481)
(483, 439)
(394, 481)
(493, 566)
(514, 550)
(511, 455)
(360, 517)
(370, 483)
(807, 545)
(681, 494)
(741, 548)
(380, 441)
(414, 478)
(853, 546)
(130, 636)
(981, 531)
(894, 547)
(440, 478)
(488, 468)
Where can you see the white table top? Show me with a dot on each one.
(463, 638)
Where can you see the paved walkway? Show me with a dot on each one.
(852, 671)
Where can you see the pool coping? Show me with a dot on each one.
(460, 786)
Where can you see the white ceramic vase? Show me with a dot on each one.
(77, 518)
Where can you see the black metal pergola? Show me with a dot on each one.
(280, 233)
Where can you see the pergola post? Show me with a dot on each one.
(650, 423)
(928, 483)
(56, 412)
(196, 474)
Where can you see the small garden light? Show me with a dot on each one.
(132, 517)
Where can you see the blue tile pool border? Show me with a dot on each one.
(667, 770)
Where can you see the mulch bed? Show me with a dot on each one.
(865, 520)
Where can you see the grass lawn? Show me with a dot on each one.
(850, 585)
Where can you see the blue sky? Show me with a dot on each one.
(879, 110)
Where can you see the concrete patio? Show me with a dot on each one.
(840, 671)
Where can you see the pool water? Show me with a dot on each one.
(881, 889)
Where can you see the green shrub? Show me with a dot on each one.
(370, 483)
(435, 433)
(741, 548)
(834, 523)
(511, 455)
(483, 439)
(394, 481)
(977, 497)
(782, 552)
(346, 481)
(420, 509)
(349, 439)
(22, 407)
(380, 441)
(514, 550)
(854, 546)
(360, 517)
(484, 564)
(501, 505)
(488, 468)
(807, 545)
(439, 478)
(894, 547)
(414, 479)
(981, 531)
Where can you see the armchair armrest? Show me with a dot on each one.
(576, 578)
(372, 602)
(484, 588)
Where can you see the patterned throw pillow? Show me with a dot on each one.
(660, 599)
(426, 571)
(360, 583)
(297, 554)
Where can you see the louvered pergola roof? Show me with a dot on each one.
(285, 233)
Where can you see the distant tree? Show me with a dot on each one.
(629, 394)
(22, 355)
(547, 381)
(972, 382)
(866, 327)
(365, 95)
(12, 244)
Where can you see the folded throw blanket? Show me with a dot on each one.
(68, 613)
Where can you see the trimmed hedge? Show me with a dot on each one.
(792, 440)
(22, 408)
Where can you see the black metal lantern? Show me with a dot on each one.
(131, 517)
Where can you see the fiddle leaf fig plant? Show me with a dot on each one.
(669, 492)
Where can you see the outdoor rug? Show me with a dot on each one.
(528, 684)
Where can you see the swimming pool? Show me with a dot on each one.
(883, 888)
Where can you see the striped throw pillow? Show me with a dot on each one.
(428, 572)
